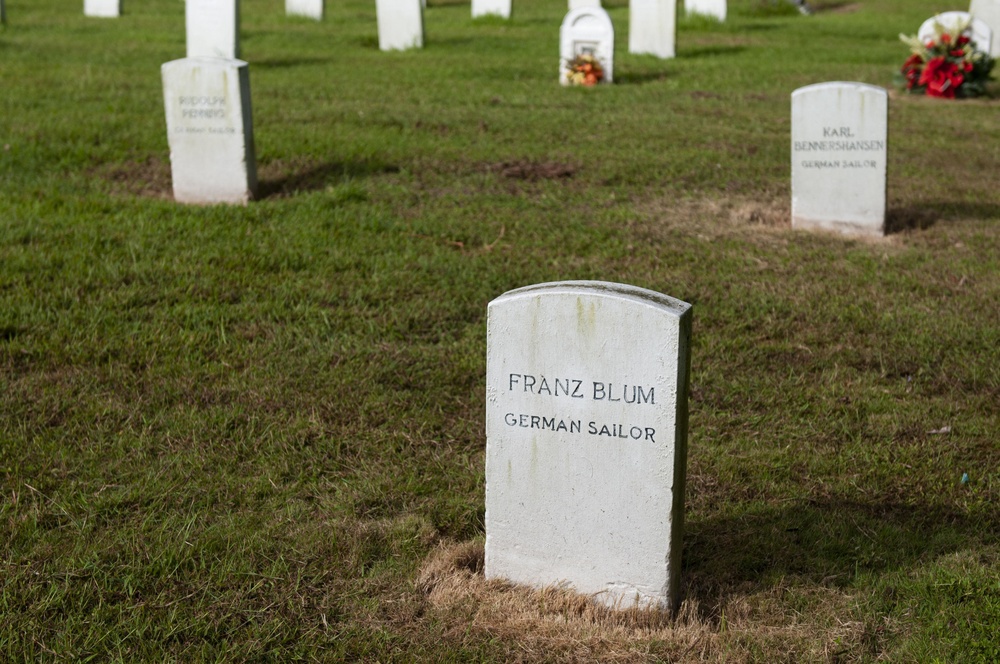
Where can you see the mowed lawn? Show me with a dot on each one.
(257, 434)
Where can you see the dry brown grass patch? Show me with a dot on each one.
(556, 624)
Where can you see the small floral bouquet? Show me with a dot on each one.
(948, 65)
(585, 69)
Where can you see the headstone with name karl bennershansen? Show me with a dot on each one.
(586, 31)
(988, 11)
(977, 30)
(210, 130)
(712, 8)
(213, 28)
(102, 8)
(586, 440)
(308, 8)
(400, 24)
(652, 27)
(839, 150)
(499, 8)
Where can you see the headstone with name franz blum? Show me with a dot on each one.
(213, 28)
(499, 8)
(711, 8)
(652, 27)
(587, 31)
(839, 150)
(210, 130)
(978, 30)
(586, 440)
(308, 8)
(400, 24)
(102, 8)
(988, 11)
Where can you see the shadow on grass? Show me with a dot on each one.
(710, 51)
(827, 542)
(918, 216)
(316, 176)
(285, 63)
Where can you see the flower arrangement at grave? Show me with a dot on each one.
(949, 65)
(585, 69)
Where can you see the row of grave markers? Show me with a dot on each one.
(838, 147)
(113, 8)
(652, 23)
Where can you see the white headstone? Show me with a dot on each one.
(988, 11)
(102, 8)
(713, 8)
(586, 439)
(210, 130)
(580, 4)
(400, 24)
(652, 27)
(499, 8)
(839, 149)
(213, 28)
(587, 31)
(307, 8)
(978, 30)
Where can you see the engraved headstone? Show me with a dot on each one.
(579, 4)
(308, 8)
(652, 27)
(586, 31)
(210, 131)
(586, 440)
(712, 8)
(988, 11)
(102, 8)
(979, 31)
(499, 8)
(839, 150)
(213, 28)
(400, 24)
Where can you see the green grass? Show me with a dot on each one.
(238, 433)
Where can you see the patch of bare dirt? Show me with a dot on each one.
(532, 171)
(837, 7)
(146, 177)
(558, 625)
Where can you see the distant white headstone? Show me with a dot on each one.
(587, 31)
(652, 27)
(713, 8)
(499, 8)
(979, 31)
(839, 150)
(210, 130)
(400, 24)
(586, 439)
(307, 8)
(988, 11)
(213, 28)
(102, 8)
(580, 4)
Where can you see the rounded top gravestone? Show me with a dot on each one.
(587, 31)
(977, 30)
(586, 427)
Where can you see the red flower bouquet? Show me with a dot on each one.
(948, 65)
